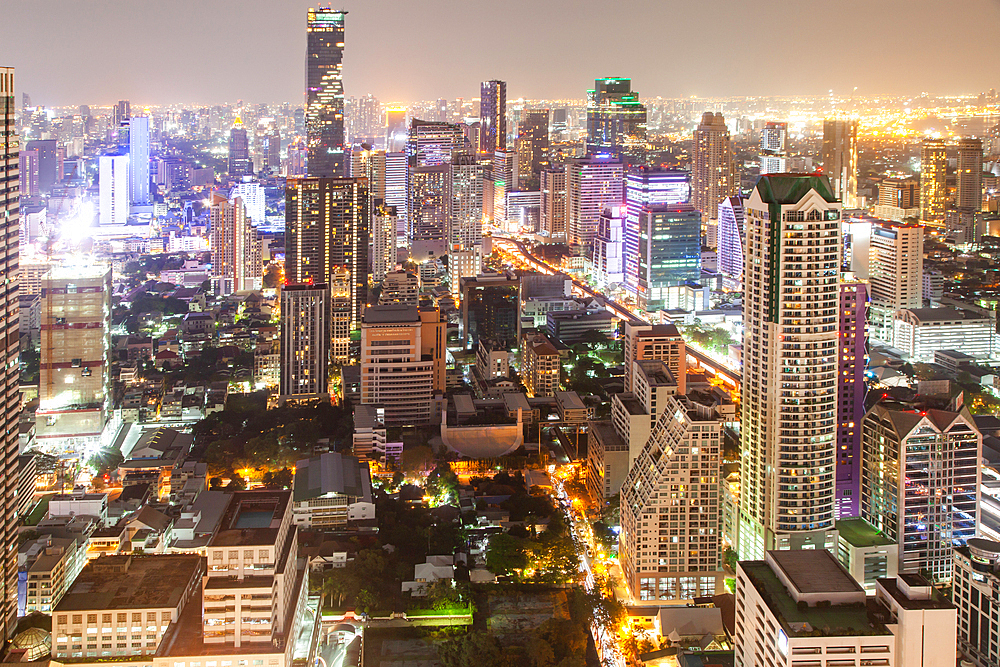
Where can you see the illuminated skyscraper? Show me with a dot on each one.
(648, 187)
(788, 395)
(493, 117)
(616, 121)
(236, 255)
(305, 341)
(114, 189)
(840, 159)
(532, 146)
(552, 219)
(503, 182)
(933, 181)
(366, 120)
(592, 184)
(325, 92)
(851, 389)
(669, 253)
(9, 214)
(773, 152)
(383, 239)
(138, 161)
(326, 232)
(465, 233)
(395, 191)
(732, 236)
(120, 113)
(969, 175)
(429, 151)
(712, 175)
(239, 151)
(395, 129)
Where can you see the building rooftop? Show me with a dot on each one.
(814, 571)
(912, 591)
(657, 373)
(924, 315)
(252, 517)
(833, 620)
(791, 188)
(131, 582)
(391, 313)
(860, 533)
(332, 474)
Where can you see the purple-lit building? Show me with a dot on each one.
(851, 395)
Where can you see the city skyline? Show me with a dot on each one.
(684, 66)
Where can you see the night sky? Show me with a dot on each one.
(212, 51)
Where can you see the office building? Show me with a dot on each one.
(465, 222)
(609, 266)
(254, 201)
(731, 238)
(647, 187)
(138, 161)
(532, 147)
(920, 480)
(326, 230)
(649, 342)
(865, 553)
(325, 92)
(669, 545)
(919, 332)
(28, 168)
(789, 364)
(402, 361)
(396, 191)
(503, 179)
(52, 570)
(236, 255)
(400, 287)
(330, 491)
(114, 189)
(933, 182)
(976, 592)
(541, 365)
(492, 118)
(240, 164)
(552, 218)
(592, 184)
(428, 211)
(74, 388)
(384, 221)
(898, 199)
(773, 151)
(120, 113)
(969, 175)
(430, 143)
(616, 121)
(850, 395)
(840, 159)
(669, 253)
(712, 168)
(965, 226)
(305, 341)
(803, 604)
(133, 598)
(10, 306)
(49, 162)
(895, 272)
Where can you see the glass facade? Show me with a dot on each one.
(669, 252)
(325, 92)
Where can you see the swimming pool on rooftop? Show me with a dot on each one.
(253, 519)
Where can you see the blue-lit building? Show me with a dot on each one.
(669, 253)
(648, 187)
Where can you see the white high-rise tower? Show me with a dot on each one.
(789, 391)
(138, 160)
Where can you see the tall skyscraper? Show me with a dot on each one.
(969, 175)
(138, 161)
(712, 166)
(465, 226)
(616, 121)
(396, 172)
(669, 253)
(895, 271)
(840, 159)
(773, 151)
(609, 265)
(239, 151)
(326, 231)
(120, 113)
(325, 92)
(592, 184)
(648, 187)
(305, 341)
(552, 218)
(383, 239)
(851, 395)
(732, 236)
(503, 182)
(10, 214)
(532, 147)
(492, 118)
(430, 147)
(933, 182)
(788, 396)
(114, 189)
(236, 254)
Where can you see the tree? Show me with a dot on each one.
(505, 554)
(416, 460)
(476, 649)
(442, 484)
(337, 584)
(446, 593)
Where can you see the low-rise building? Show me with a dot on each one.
(918, 332)
(121, 606)
(801, 607)
(332, 490)
(51, 565)
(866, 554)
(79, 503)
(369, 430)
(541, 365)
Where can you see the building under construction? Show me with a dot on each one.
(75, 379)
